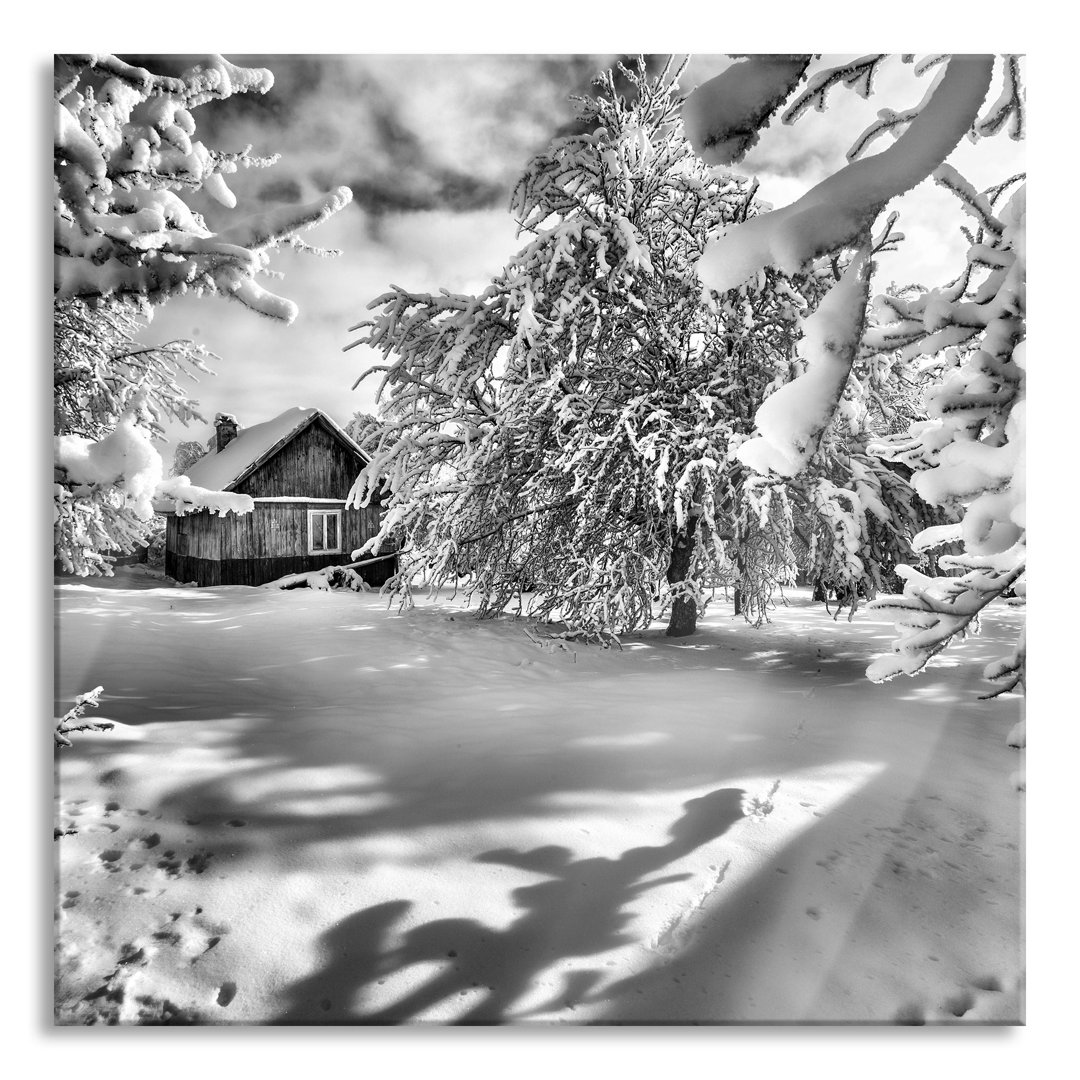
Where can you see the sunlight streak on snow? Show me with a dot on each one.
(314, 781)
(320, 805)
(641, 738)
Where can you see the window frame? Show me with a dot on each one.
(322, 515)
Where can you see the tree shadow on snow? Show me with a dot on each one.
(581, 910)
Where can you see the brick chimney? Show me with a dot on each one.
(226, 430)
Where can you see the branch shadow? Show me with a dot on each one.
(581, 910)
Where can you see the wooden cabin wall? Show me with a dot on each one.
(359, 526)
(193, 547)
(272, 541)
(315, 464)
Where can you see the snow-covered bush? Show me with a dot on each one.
(573, 431)
(968, 455)
(126, 237)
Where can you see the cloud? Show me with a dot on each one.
(432, 146)
(266, 367)
(405, 132)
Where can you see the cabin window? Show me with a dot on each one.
(324, 532)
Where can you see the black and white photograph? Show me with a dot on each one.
(539, 539)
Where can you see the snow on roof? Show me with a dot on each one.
(217, 471)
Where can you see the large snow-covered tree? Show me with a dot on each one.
(968, 454)
(572, 431)
(363, 428)
(186, 454)
(128, 236)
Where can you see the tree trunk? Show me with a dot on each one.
(683, 620)
(738, 600)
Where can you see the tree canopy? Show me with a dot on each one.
(573, 431)
(968, 453)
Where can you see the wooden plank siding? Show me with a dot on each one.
(268, 543)
(193, 548)
(315, 464)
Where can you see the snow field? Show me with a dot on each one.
(318, 809)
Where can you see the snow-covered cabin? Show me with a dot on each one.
(298, 468)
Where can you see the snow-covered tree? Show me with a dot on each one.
(185, 455)
(127, 236)
(572, 431)
(968, 454)
(100, 368)
(362, 426)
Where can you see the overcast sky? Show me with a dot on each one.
(431, 146)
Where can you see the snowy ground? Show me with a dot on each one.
(317, 810)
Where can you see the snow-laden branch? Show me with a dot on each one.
(125, 156)
(969, 454)
(73, 721)
(791, 421)
(836, 212)
(934, 611)
(723, 117)
(105, 492)
(857, 75)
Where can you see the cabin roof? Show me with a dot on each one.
(224, 469)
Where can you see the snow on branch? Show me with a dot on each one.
(836, 212)
(184, 497)
(105, 492)
(125, 158)
(723, 117)
(72, 720)
(969, 455)
(932, 612)
(791, 421)
(967, 451)
(857, 75)
(1009, 105)
(273, 226)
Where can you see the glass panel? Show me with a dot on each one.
(317, 526)
(331, 531)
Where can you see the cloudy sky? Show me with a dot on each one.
(431, 147)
